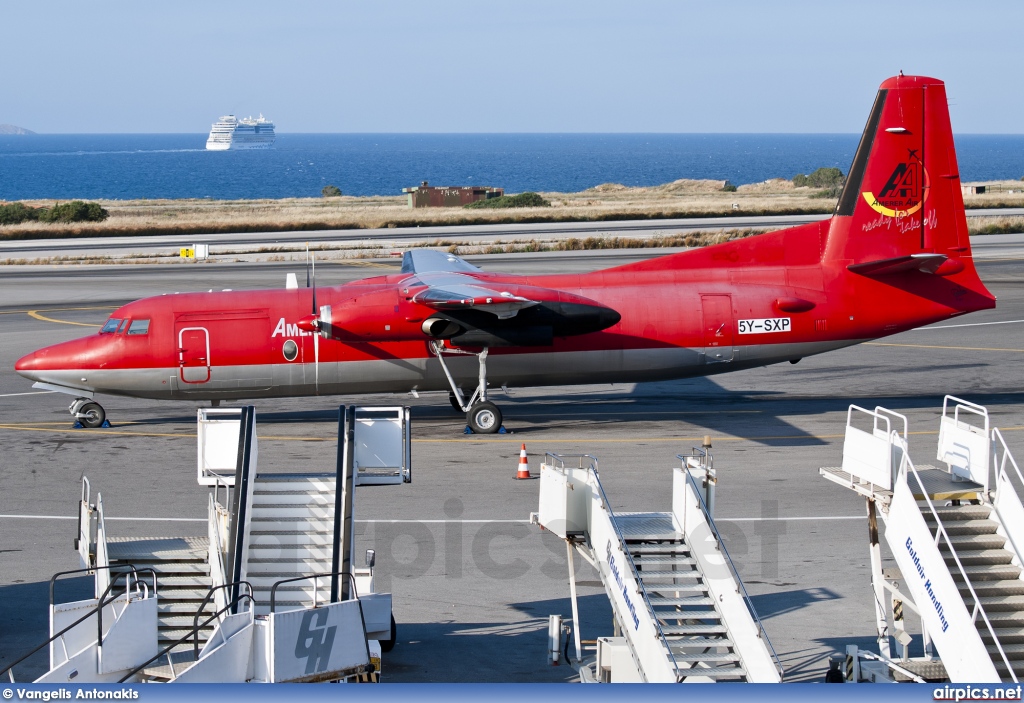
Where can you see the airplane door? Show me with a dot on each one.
(719, 328)
(194, 354)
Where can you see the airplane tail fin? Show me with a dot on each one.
(901, 208)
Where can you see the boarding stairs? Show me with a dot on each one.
(681, 612)
(274, 570)
(291, 533)
(955, 531)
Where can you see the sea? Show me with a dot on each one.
(135, 166)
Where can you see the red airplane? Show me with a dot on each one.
(894, 256)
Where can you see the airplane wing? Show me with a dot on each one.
(448, 287)
(428, 261)
(456, 295)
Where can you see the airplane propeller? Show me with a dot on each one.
(311, 323)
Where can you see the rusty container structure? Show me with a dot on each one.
(426, 195)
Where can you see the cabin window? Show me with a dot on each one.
(111, 326)
(139, 327)
(290, 350)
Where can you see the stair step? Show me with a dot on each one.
(973, 542)
(290, 552)
(957, 528)
(182, 595)
(982, 557)
(979, 573)
(1006, 587)
(671, 588)
(689, 573)
(1006, 635)
(181, 621)
(263, 493)
(695, 629)
(718, 672)
(297, 566)
(707, 657)
(666, 561)
(293, 512)
(287, 525)
(951, 513)
(263, 538)
(683, 645)
(169, 567)
(659, 602)
(1003, 602)
(663, 601)
(269, 578)
(1003, 619)
(187, 581)
(1014, 652)
(656, 549)
(183, 608)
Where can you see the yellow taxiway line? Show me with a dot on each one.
(35, 314)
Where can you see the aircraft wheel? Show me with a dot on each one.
(91, 415)
(484, 418)
(389, 644)
(454, 401)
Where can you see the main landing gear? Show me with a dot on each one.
(482, 416)
(88, 412)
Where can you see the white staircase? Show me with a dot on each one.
(271, 594)
(680, 610)
(954, 531)
(291, 533)
(184, 576)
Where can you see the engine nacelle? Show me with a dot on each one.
(440, 328)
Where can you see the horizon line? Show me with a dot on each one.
(33, 133)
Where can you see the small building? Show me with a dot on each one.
(972, 189)
(425, 195)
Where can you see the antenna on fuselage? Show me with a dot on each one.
(311, 276)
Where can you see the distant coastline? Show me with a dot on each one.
(133, 167)
(14, 129)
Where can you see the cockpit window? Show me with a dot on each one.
(111, 326)
(122, 327)
(139, 327)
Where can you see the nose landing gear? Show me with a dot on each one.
(89, 413)
(482, 416)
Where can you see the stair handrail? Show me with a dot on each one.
(975, 409)
(207, 599)
(215, 552)
(907, 467)
(98, 608)
(762, 633)
(593, 469)
(315, 578)
(194, 633)
(86, 499)
(1000, 469)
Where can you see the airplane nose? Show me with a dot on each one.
(28, 364)
(51, 364)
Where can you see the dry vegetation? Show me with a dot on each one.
(607, 202)
(684, 198)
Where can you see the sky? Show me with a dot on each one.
(526, 66)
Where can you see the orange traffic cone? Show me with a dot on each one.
(524, 464)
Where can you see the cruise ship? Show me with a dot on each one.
(230, 132)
